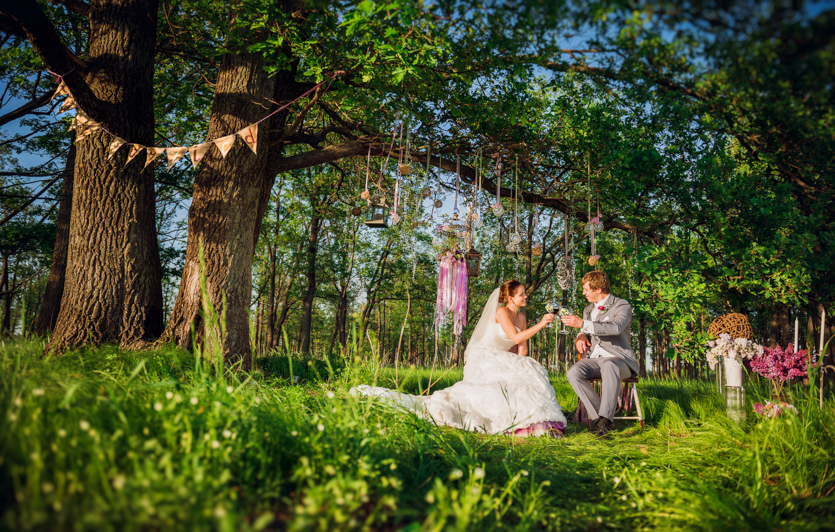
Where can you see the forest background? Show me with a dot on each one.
(702, 132)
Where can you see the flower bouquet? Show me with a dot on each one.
(734, 352)
(772, 410)
(780, 366)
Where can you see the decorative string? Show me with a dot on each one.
(368, 168)
(457, 178)
(498, 178)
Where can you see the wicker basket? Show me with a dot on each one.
(735, 325)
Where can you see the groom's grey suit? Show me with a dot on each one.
(611, 358)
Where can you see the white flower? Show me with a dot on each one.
(158, 407)
(169, 395)
(193, 400)
(456, 474)
(37, 391)
(84, 425)
(330, 395)
(257, 400)
(93, 432)
(62, 433)
(623, 497)
(524, 473)
(215, 444)
(178, 398)
(478, 473)
(229, 389)
(294, 433)
(17, 402)
(220, 512)
(227, 433)
(320, 427)
(617, 480)
(118, 482)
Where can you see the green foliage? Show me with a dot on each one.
(105, 438)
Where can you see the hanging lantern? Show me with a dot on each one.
(365, 194)
(593, 260)
(438, 204)
(405, 169)
(536, 250)
(426, 192)
(473, 259)
(356, 211)
(378, 210)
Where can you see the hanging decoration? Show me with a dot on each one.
(536, 250)
(84, 127)
(366, 194)
(452, 290)
(498, 210)
(565, 266)
(515, 240)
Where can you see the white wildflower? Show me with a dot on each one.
(193, 400)
(331, 395)
(215, 444)
(229, 389)
(17, 402)
(37, 391)
(294, 433)
(169, 395)
(84, 425)
(456, 474)
(478, 473)
(320, 427)
(118, 482)
(227, 433)
(62, 433)
(617, 480)
(220, 512)
(158, 406)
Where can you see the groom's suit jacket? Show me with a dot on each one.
(612, 330)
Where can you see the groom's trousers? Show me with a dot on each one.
(611, 371)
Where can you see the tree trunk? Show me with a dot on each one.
(223, 217)
(773, 329)
(642, 347)
(51, 305)
(282, 318)
(785, 327)
(4, 287)
(112, 288)
(271, 298)
(310, 293)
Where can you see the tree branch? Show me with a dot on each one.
(27, 108)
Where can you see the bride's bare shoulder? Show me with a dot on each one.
(501, 311)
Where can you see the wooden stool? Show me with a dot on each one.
(628, 394)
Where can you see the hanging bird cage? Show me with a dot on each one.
(473, 259)
(378, 213)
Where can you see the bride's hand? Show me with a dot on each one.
(548, 318)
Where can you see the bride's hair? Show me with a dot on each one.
(507, 290)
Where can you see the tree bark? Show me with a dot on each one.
(310, 293)
(224, 214)
(4, 287)
(112, 288)
(270, 305)
(51, 305)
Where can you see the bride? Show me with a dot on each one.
(502, 391)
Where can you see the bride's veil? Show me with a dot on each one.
(488, 316)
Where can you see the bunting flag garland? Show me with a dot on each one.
(224, 144)
(114, 146)
(84, 127)
(174, 155)
(197, 152)
(152, 154)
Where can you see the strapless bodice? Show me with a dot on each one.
(500, 338)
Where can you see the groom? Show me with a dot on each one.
(605, 331)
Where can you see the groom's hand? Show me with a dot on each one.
(582, 343)
(572, 321)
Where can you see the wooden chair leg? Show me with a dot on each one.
(638, 405)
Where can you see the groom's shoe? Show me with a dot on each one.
(594, 422)
(604, 426)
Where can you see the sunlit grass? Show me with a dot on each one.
(108, 439)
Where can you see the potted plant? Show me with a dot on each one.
(733, 352)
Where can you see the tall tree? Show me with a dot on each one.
(112, 289)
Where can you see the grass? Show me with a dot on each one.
(108, 439)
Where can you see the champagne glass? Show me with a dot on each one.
(564, 311)
(552, 306)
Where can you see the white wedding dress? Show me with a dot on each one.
(502, 392)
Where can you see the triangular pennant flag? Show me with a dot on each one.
(62, 89)
(86, 130)
(68, 105)
(114, 146)
(198, 151)
(151, 154)
(135, 149)
(79, 120)
(224, 144)
(249, 134)
(174, 155)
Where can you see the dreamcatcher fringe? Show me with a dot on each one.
(452, 292)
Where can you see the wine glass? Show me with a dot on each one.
(564, 311)
(552, 307)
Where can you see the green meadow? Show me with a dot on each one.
(105, 439)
